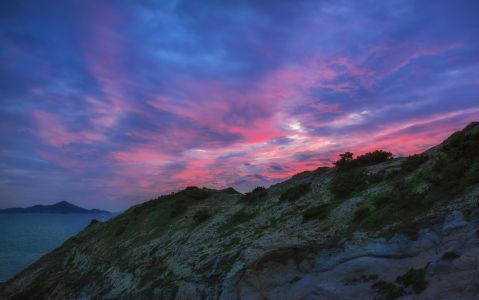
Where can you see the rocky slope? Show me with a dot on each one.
(370, 228)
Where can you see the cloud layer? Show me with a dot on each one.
(108, 103)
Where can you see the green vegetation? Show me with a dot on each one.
(351, 176)
(414, 278)
(255, 195)
(185, 198)
(460, 166)
(157, 214)
(388, 290)
(120, 229)
(93, 222)
(295, 192)
(465, 143)
(413, 162)
(451, 173)
(235, 240)
(372, 158)
(201, 216)
(236, 219)
(472, 175)
(347, 161)
(173, 232)
(153, 251)
(194, 193)
(165, 286)
(317, 212)
(361, 214)
(178, 208)
(446, 177)
(175, 203)
(190, 194)
(345, 183)
(295, 279)
(392, 206)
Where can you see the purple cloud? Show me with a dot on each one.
(108, 104)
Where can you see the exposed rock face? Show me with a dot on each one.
(402, 228)
(448, 254)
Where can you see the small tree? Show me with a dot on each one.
(375, 157)
(345, 159)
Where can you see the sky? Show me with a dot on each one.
(110, 103)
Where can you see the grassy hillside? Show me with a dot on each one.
(204, 239)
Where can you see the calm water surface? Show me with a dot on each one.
(26, 237)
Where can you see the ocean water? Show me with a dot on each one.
(26, 237)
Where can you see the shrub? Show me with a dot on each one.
(472, 175)
(375, 157)
(180, 201)
(295, 279)
(361, 213)
(317, 212)
(256, 194)
(392, 205)
(178, 208)
(375, 178)
(375, 219)
(238, 218)
(449, 176)
(413, 162)
(235, 240)
(404, 197)
(259, 189)
(120, 229)
(201, 216)
(465, 143)
(415, 278)
(345, 183)
(93, 222)
(295, 192)
(347, 161)
(388, 290)
(194, 193)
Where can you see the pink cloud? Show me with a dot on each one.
(141, 156)
(53, 131)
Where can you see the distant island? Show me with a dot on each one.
(62, 207)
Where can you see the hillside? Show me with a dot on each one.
(62, 207)
(373, 227)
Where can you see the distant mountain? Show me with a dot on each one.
(62, 207)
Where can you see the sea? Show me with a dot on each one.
(24, 238)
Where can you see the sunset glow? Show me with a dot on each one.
(109, 103)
